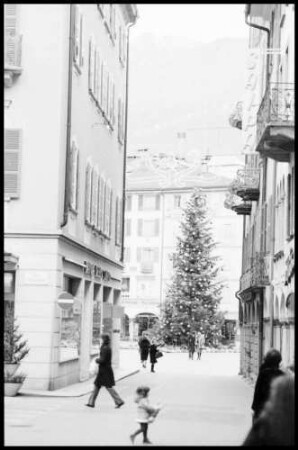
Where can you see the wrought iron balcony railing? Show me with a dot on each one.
(258, 274)
(235, 203)
(277, 111)
(247, 183)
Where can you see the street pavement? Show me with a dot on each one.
(205, 403)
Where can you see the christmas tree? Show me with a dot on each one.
(194, 294)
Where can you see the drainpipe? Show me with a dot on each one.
(68, 124)
(125, 143)
(272, 241)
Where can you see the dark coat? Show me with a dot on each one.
(144, 345)
(153, 350)
(262, 389)
(105, 375)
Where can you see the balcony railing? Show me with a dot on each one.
(247, 183)
(276, 112)
(258, 274)
(236, 204)
(146, 267)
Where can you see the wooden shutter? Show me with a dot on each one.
(94, 197)
(76, 52)
(140, 227)
(74, 176)
(111, 213)
(91, 66)
(10, 19)
(88, 194)
(12, 158)
(103, 206)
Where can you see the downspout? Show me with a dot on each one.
(68, 124)
(272, 241)
(125, 144)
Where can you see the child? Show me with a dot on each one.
(146, 413)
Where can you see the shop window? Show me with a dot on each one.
(96, 324)
(70, 331)
(9, 297)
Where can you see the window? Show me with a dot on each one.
(149, 202)
(78, 39)
(12, 158)
(177, 201)
(118, 227)
(96, 324)
(88, 185)
(108, 209)
(70, 335)
(147, 254)
(127, 255)
(128, 203)
(148, 228)
(127, 227)
(74, 177)
(101, 204)
(125, 284)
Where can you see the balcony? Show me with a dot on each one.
(236, 204)
(275, 122)
(12, 58)
(258, 274)
(247, 184)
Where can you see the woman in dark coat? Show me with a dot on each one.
(144, 345)
(269, 370)
(276, 424)
(105, 375)
(153, 350)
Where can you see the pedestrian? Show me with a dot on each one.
(269, 370)
(191, 345)
(146, 413)
(275, 425)
(200, 342)
(144, 345)
(153, 350)
(105, 375)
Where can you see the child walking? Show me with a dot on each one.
(146, 413)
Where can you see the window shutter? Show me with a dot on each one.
(156, 227)
(88, 194)
(120, 221)
(10, 19)
(12, 158)
(140, 202)
(111, 212)
(107, 209)
(91, 66)
(76, 53)
(94, 200)
(103, 206)
(157, 202)
(74, 176)
(140, 227)
(116, 219)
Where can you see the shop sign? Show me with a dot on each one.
(96, 271)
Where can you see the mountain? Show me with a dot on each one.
(180, 86)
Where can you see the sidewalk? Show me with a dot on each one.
(129, 365)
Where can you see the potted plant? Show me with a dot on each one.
(15, 347)
(13, 383)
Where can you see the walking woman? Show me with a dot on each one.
(153, 350)
(269, 370)
(105, 375)
(144, 345)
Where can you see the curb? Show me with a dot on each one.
(30, 393)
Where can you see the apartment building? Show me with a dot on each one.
(264, 191)
(158, 188)
(65, 75)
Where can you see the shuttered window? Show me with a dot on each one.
(111, 213)
(100, 211)
(94, 197)
(88, 186)
(10, 19)
(118, 225)
(12, 159)
(78, 38)
(107, 210)
(74, 177)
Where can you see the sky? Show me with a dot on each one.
(200, 22)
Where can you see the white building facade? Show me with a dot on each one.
(156, 194)
(65, 132)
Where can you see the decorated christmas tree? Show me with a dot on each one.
(194, 294)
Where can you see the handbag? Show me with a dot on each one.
(159, 354)
(93, 368)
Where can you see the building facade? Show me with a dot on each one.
(158, 188)
(65, 143)
(264, 191)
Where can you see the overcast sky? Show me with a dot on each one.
(201, 22)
